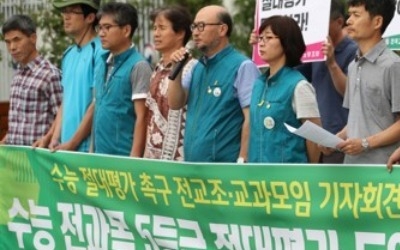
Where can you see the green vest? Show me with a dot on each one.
(270, 108)
(214, 117)
(115, 117)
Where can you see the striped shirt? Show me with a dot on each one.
(35, 97)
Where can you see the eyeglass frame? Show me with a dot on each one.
(201, 25)
(64, 11)
(266, 39)
(105, 27)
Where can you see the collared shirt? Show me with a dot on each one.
(78, 67)
(35, 97)
(139, 76)
(373, 99)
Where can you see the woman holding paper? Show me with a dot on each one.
(281, 95)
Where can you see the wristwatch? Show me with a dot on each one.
(364, 143)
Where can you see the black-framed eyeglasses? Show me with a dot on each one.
(200, 26)
(266, 39)
(105, 27)
(69, 11)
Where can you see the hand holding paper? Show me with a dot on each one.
(316, 134)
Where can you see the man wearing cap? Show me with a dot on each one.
(74, 118)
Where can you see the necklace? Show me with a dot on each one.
(262, 99)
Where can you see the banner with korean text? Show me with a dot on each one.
(81, 201)
(312, 17)
(392, 33)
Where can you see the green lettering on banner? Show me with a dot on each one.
(393, 42)
(68, 200)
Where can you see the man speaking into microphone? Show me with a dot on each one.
(179, 65)
(217, 92)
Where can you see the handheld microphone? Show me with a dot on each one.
(179, 65)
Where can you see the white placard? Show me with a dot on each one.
(312, 17)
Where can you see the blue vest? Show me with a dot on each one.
(270, 108)
(115, 117)
(214, 118)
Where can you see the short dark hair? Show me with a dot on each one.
(290, 36)
(22, 23)
(179, 17)
(225, 18)
(87, 10)
(122, 13)
(337, 10)
(383, 8)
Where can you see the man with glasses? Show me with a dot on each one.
(72, 127)
(217, 92)
(122, 83)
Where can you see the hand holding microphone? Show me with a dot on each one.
(181, 61)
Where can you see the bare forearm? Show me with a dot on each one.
(313, 152)
(56, 131)
(139, 130)
(244, 144)
(354, 146)
(343, 133)
(84, 128)
(176, 94)
(338, 77)
(386, 137)
(139, 138)
(47, 137)
(3, 140)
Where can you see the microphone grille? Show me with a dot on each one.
(190, 45)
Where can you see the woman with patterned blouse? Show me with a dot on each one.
(171, 31)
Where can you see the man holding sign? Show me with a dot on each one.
(329, 77)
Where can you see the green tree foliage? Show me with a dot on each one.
(50, 28)
(52, 33)
(192, 5)
(1, 34)
(243, 18)
(243, 24)
(55, 40)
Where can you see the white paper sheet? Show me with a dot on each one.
(315, 133)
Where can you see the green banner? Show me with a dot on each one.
(393, 42)
(78, 201)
